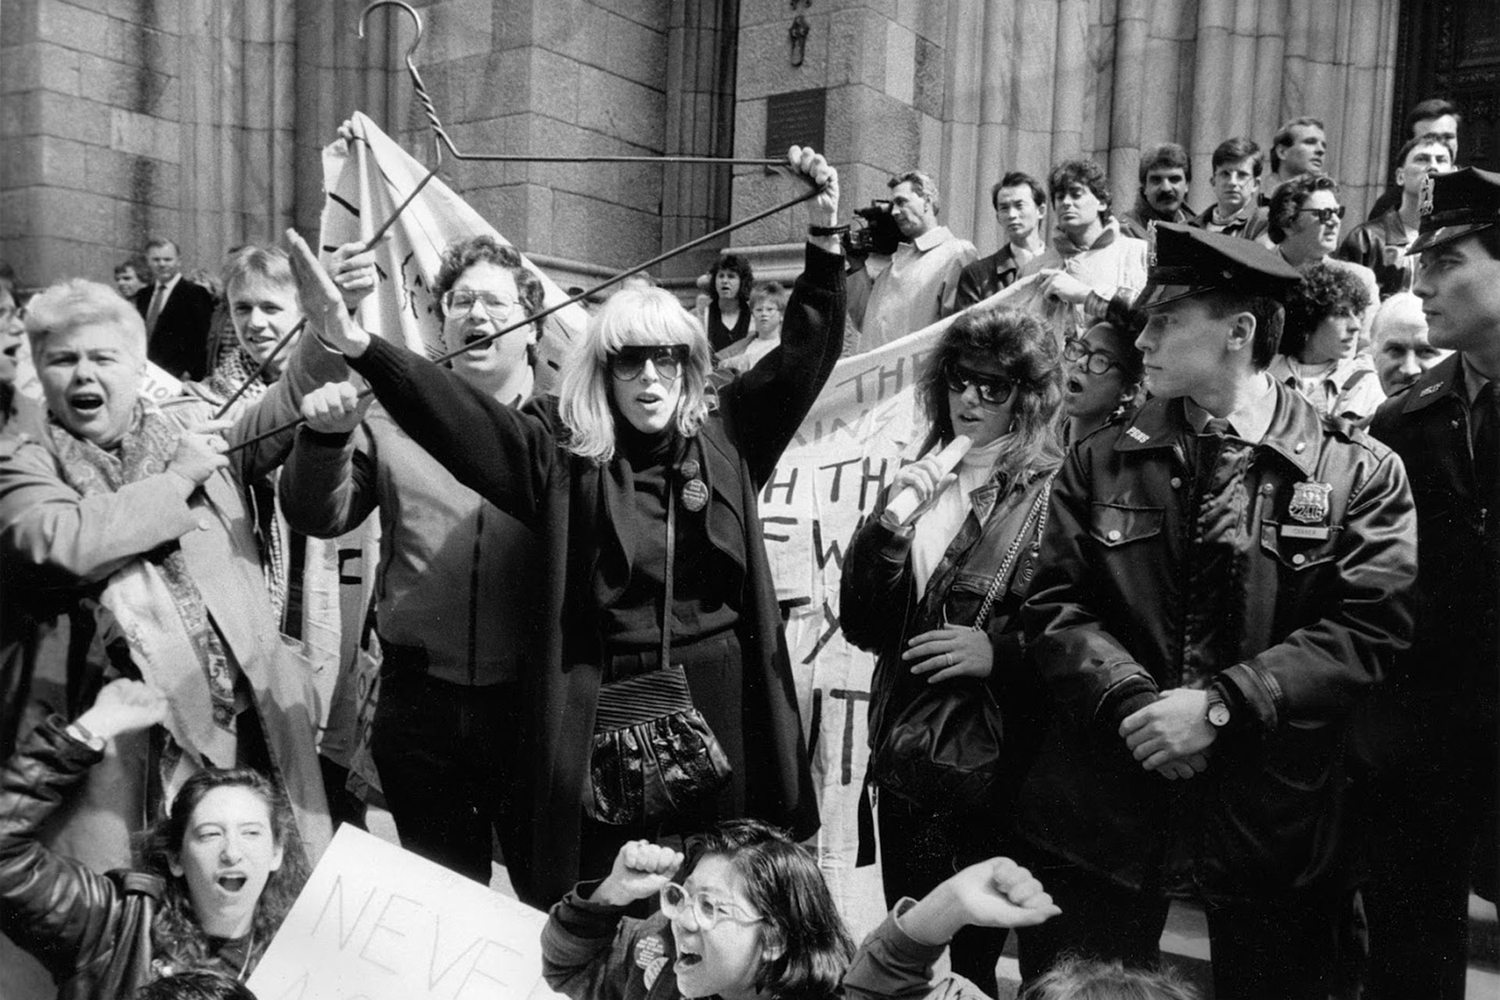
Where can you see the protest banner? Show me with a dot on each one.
(375, 922)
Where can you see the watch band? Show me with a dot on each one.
(827, 230)
(1219, 715)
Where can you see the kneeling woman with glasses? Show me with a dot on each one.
(657, 692)
(936, 596)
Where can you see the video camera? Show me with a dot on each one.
(879, 234)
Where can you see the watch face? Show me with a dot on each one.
(1218, 715)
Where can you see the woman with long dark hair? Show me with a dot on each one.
(935, 596)
(728, 318)
(215, 881)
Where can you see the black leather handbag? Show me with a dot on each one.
(946, 748)
(654, 755)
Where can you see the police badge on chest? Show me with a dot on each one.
(1307, 512)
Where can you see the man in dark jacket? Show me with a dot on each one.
(1223, 577)
(1165, 173)
(1382, 243)
(1432, 735)
(178, 314)
(1021, 210)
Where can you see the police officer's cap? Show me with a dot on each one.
(1185, 261)
(1456, 205)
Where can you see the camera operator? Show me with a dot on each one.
(905, 284)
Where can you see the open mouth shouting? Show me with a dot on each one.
(231, 881)
(86, 402)
(1073, 385)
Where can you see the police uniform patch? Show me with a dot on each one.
(1309, 503)
(1136, 434)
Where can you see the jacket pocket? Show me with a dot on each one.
(1298, 554)
(1113, 524)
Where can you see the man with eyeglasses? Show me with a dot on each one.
(1223, 575)
(1305, 218)
(452, 606)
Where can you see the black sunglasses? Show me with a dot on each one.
(1324, 215)
(628, 362)
(993, 389)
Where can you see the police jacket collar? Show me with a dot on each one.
(1438, 382)
(1294, 433)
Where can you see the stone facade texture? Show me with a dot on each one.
(202, 120)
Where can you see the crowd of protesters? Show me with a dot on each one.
(1146, 603)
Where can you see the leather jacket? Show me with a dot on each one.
(880, 609)
(91, 931)
(1323, 580)
(1456, 655)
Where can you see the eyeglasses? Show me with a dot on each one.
(628, 362)
(461, 302)
(677, 901)
(1324, 215)
(1094, 362)
(993, 389)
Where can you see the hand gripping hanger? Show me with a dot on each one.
(441, 139)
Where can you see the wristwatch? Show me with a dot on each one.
(1218, 709)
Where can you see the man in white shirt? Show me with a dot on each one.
(916, 285)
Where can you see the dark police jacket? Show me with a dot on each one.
(1455, 656)
(1318, 620)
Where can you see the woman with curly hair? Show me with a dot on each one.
(216, 880)
(728, 319)
(1319, 342)
(935, 596)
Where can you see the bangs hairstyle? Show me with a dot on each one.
(632, 316)
(784, 884)
(1085, 174)
(77, 302)
(135, 264)
(739, 266)
(1029, 354)
(1324, 291)
(1237, 149)
(270, 264)
(176, 934)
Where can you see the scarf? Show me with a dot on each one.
(234, 370)
(159, 607)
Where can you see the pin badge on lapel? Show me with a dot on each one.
(695, 490)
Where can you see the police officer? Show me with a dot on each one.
(1434, 730)
(1224, 575)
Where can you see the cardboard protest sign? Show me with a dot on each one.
(375, 922)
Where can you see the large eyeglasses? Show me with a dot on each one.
(628, 362)
(677, 901)
(993, 390)
(1094, 362)
(1324, 215)
(461, 302)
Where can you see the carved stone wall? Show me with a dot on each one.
(968, 89)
